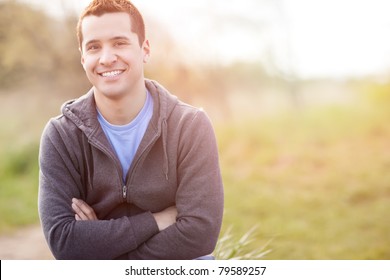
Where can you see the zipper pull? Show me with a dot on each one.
(124, 191)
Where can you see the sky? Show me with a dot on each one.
(305, 38)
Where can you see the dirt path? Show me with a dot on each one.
(25, 244)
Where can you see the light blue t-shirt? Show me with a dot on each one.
(125, 139)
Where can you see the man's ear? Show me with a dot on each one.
(82, 58)
(146, 50)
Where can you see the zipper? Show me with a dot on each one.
(124, 191)
(119, 170)
(130, 174)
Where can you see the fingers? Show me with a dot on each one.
(83, 211)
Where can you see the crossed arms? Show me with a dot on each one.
(84, 212)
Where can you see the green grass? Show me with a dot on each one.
(18, 187)
(316, 182)
(230, 247)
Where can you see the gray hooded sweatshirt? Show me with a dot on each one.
(175, 164)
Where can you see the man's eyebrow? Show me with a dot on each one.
(111, 39)
(120, 38)
(91, 42)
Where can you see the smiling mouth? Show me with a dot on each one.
(111, 73)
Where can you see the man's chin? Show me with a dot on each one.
(111, 93)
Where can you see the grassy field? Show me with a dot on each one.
(315, 182)
(18, 188)
(22, 118)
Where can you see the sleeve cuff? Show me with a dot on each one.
(144, 227)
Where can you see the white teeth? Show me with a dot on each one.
(111, 74)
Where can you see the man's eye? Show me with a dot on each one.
(92, 47)
(121, 43)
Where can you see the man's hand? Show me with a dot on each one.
(83, 211)
(166, 217)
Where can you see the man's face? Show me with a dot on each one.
(111, 55)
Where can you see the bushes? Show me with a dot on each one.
(18, 187)
(20, 163)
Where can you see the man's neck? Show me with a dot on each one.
(121, 111)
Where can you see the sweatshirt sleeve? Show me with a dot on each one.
(59, 182)
(199, 198)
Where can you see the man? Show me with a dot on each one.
(127, 171)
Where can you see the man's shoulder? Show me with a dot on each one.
(73, 113)
(176, 111)
(189, 110)
(59, 126)
(189, 117)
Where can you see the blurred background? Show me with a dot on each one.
(298, 92)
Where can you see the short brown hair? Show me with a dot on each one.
(101, 7)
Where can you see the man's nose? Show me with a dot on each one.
(107, 57)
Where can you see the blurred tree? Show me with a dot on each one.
(282, 60)
(24, 41)
(70, 76)
(37, 48)
(206, 83)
